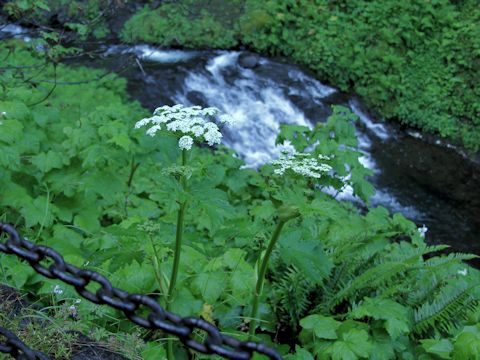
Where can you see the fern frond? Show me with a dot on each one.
(443, 261)
(371, 278)
(424, 290)
(292, 293)
(404, 251)
(444, 313)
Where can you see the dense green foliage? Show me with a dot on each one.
(76, 176)
(82, 18)
(416, 61)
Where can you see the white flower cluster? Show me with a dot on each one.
(302, 164)
(191, 121)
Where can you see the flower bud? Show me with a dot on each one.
(287, 212)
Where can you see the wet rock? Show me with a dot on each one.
(197, 98)
(311, 110)
(248, 60)
(337, 98)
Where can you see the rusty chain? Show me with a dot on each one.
(131, 305)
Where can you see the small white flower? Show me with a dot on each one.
(422, 230)
(197, 130)
(3, 114)
(462, 272)
(153, 130)
(226, 119)
(73, 311)
(211, 111)
(185, 142)
(213, 137)
(57, 290)
(78, 301)
(301, 164)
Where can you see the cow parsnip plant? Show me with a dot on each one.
(340, 282)
(189, 124)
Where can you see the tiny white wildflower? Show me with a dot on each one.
(226, 119)
(213, 136)
(153, 130)
(73, 311)
(210, 111)
(197, 130)
(302, 164)
(462, 272)
(185, 142)
(422, 230)
(57, 290)
(3, 113)
(78, 301)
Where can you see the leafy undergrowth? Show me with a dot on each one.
(413, 61)
(76, 176)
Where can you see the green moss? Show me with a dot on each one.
(171, 25)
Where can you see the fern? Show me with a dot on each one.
(424, 290)
(441, 262)
(450, 306)
(292, 292)
(371, 278)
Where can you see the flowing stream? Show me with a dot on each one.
(428, 181)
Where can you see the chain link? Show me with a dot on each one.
(51, 264)
(15, 347)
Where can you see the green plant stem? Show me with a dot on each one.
(261, 278)
(177, 251)
(157, 269)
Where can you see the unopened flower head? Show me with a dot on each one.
(302, 164)
(193, 122)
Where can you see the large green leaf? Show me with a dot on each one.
(307, 256)
(398, 319)
(324, 327)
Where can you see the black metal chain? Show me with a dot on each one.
(15, 347)
(130, 304)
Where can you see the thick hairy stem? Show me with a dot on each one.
(176, 256)
(261, 278)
